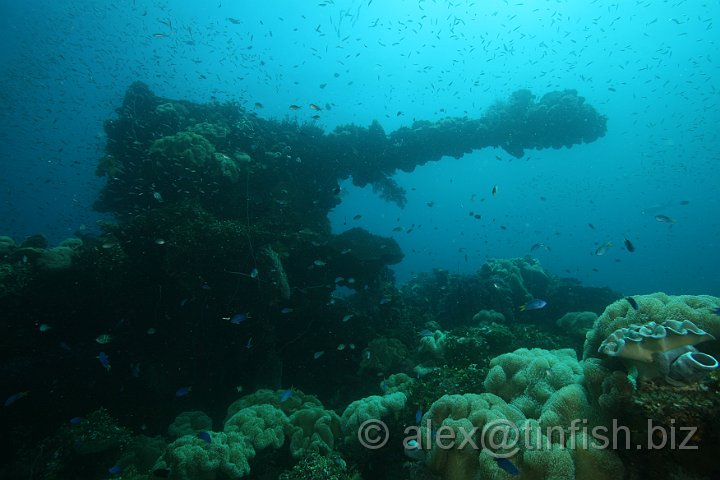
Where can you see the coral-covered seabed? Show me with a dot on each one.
(218, 329)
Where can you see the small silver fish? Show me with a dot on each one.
(538, 246)
(664, 219)
(104, 339)
(602, 249)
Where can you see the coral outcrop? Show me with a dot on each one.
(261, 421)
(656, 307)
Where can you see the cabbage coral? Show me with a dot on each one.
(656, 307)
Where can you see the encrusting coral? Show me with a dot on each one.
(662, 350)
(656, 307)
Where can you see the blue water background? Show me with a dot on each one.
(651, 67)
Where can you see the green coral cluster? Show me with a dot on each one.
(255, 423)
(384, 355)
(80, 446)
(528, 379)
(212, 131)
(172, 114)
(189, 423)
(540, 394)
(521, 278)
(488, 316)
(21, 264)
(577, 324)
(194, 151)
(462, 414)
(187, 150)
(374, 407)
(109, 165)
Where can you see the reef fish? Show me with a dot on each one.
(538, 246)
(628, 245)
(633, 303)
(664, 219)
(534, 304)
(238, 318)
(182, 391)
(115, 470)
(286, 395)
(602, 249)
(205, 437)
(507, 466)
(104, 360)
(15, 397)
